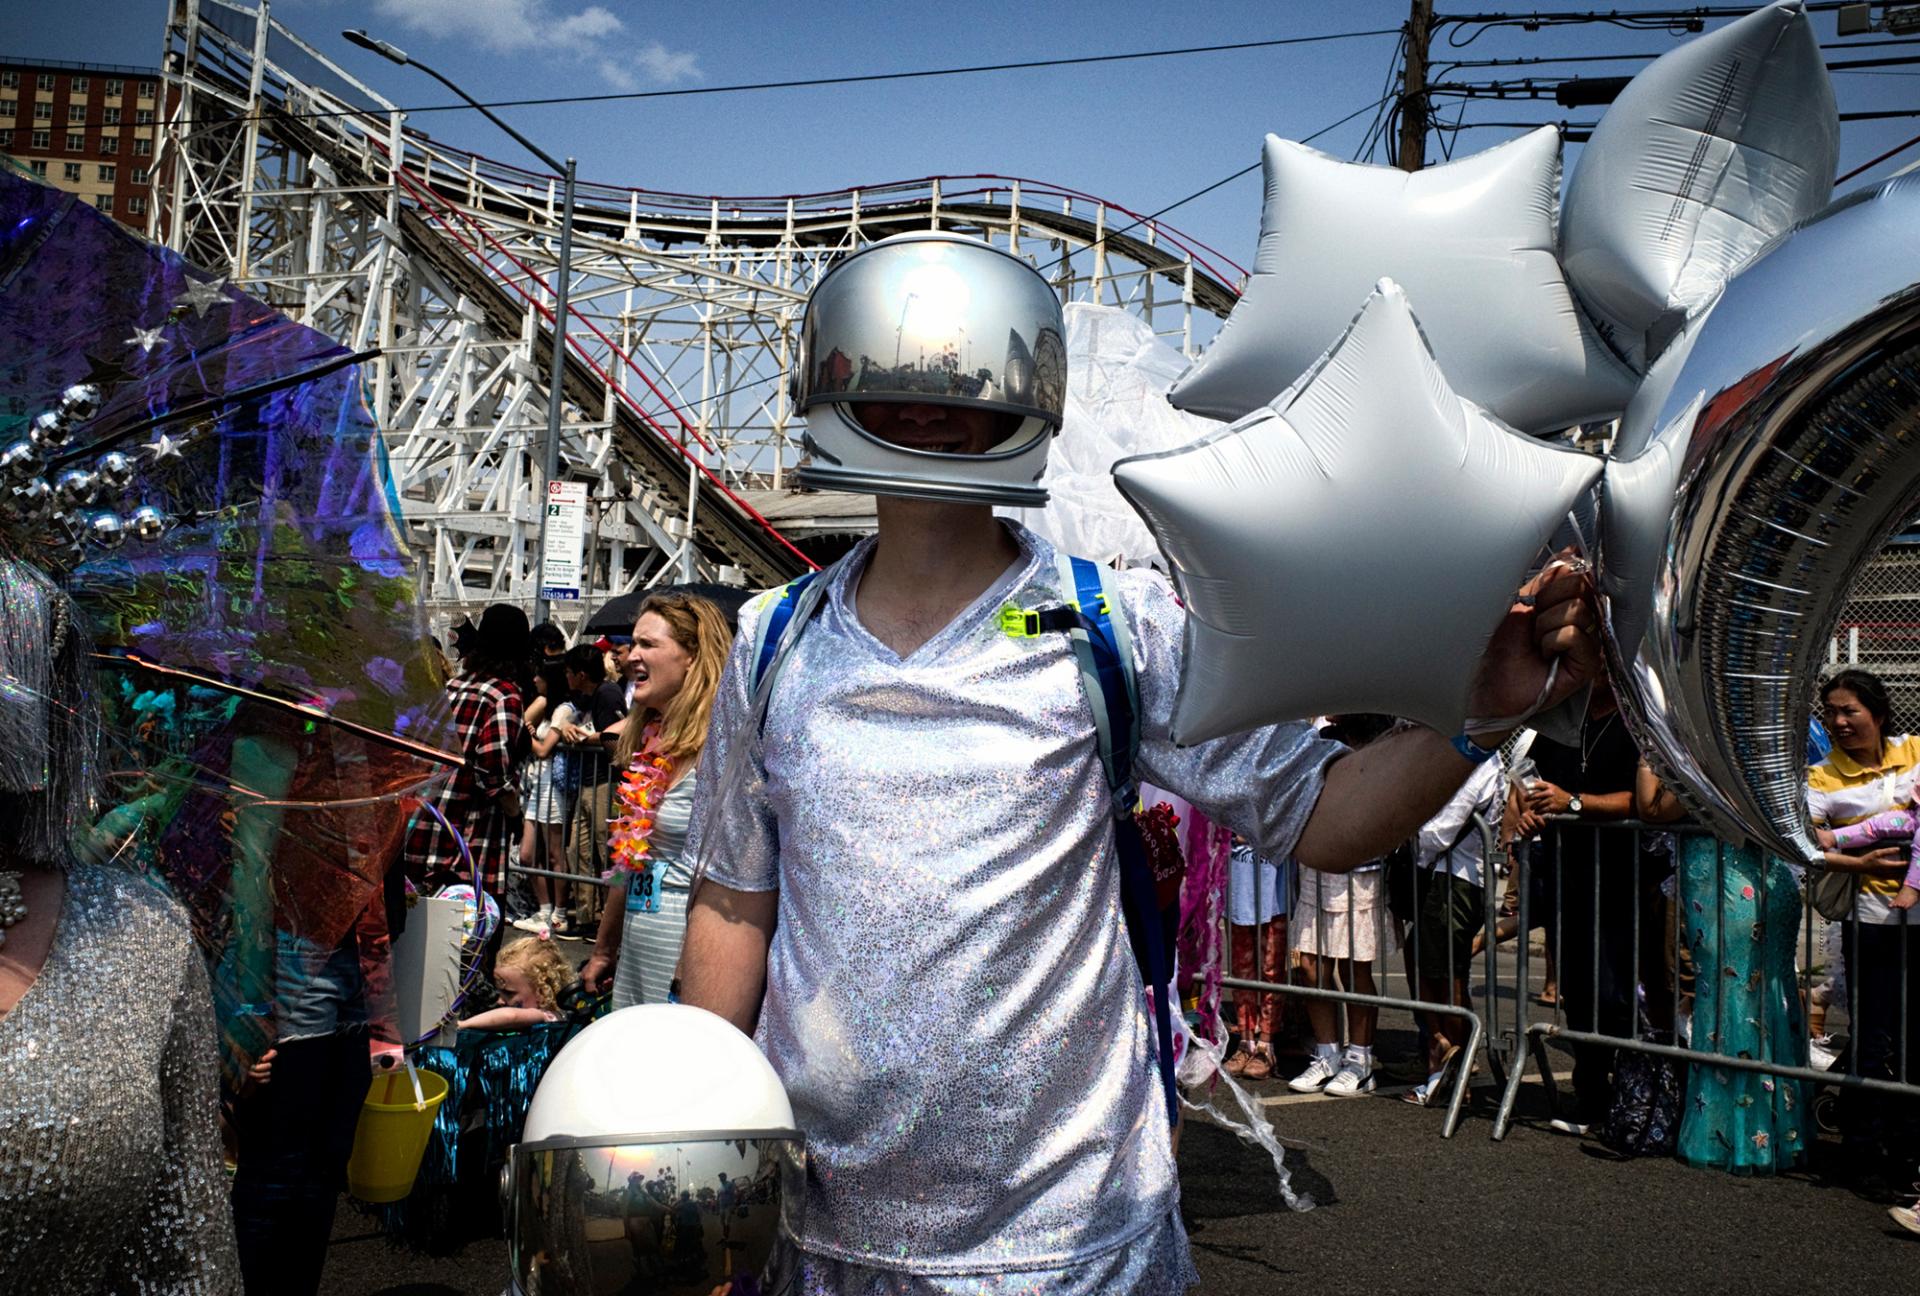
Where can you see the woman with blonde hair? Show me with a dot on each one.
(680, 645)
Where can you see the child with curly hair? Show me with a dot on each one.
(530, 975)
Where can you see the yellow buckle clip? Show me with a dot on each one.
(1019, 622)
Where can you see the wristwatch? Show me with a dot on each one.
(1574, 804)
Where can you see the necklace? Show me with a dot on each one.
(13, 903)
(1587, 744)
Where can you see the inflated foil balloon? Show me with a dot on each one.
(1786, 449)
(1352, 546)
(1712, 150)
(1472, 242)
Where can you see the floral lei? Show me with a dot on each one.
(638, 797)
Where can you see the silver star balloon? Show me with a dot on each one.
(1472, 241)
(1353, 545)
(1714, 149)
(146, 339)
(202, 295)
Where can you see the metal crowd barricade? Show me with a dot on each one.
(1601, 945)
(593, 764)
(1478, 1033)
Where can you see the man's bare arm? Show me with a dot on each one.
(724, 966)
(1377, 797)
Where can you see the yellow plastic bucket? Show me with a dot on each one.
(392, 1135)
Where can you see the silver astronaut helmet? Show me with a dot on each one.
(659, 1158)
(931, 366)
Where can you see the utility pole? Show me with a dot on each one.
(1413, 88)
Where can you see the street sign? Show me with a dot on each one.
(564, 536)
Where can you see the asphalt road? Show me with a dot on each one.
(1402, 1210)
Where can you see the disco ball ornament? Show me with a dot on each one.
(114, 470)
(107, 530)
(69, 526)
(21, 460)
(80, 401)
(76, 488)
(33, 500)
(51, 430)
(147, 523)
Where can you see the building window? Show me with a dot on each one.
(115, 87)
(110, 117)
(43, 140)
(109, 144)
(103, 201)
(140, 175)
(143, 116)
(39, 167)
(10, 80)
(80, 85)
(43, 112)
(44, 81)
(76, 114)
(106, 172)
(146, 89)
(6, 139)
(143, 148)
(70, 171)
(8, 107)
(136, 205)
(76, 143)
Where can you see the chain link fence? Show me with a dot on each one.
(1880, 630)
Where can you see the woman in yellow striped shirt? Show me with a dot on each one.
(1868, 772)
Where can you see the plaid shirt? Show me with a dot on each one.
(487, 717)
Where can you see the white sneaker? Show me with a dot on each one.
(1322, 1069)
(1354, 1078)
(1907, 1217)
(539, 922)
(1578, 1129)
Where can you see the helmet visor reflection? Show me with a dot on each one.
(678, 1218)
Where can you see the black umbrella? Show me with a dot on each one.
(617, 615)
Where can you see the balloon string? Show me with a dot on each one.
(1505, 724)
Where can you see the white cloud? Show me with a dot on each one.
(594, 36)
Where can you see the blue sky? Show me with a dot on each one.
(1141, 134)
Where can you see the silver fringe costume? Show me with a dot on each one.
(110, 1173)
(951, 999)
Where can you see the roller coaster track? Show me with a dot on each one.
(307, 188)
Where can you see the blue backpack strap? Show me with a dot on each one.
(779, 631)
(1098, 634)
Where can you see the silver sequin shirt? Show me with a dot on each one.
(110, 1174)
(951, 999)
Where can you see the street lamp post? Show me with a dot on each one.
(550, 450)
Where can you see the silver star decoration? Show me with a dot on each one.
(146, 339)
(1471, 241)
(164, 447)
(1353, 545)
(203, 295)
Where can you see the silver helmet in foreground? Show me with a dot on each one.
(931, 366)
(659, 1158)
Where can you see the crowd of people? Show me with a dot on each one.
(572, 806)
(1652, 929)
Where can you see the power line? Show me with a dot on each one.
(813, 82)
(1203, 192)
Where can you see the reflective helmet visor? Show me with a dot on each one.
(929, 323)
(677, 1218)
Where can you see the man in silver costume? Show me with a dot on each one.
(911, 896)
